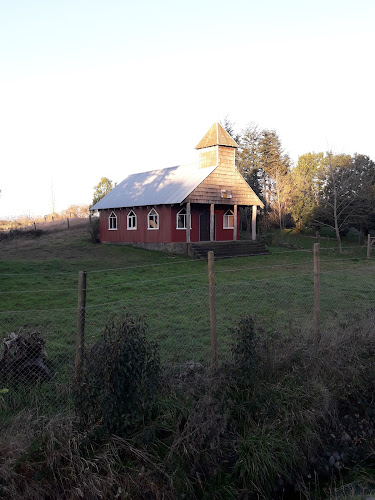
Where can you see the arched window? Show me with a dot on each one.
(112, 222)
(153, 219)
(132, 220)
(228, 221)
(181, 219)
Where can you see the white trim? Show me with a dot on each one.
(178, 213)
(112, 218)
(226, 217)
(127, 220)
(157, 220)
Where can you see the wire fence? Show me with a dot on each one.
(39, 348)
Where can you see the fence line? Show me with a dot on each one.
(179, 319)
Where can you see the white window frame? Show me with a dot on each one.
(112, 221)
(185, 217)
(229, 214)
(132, 216)
(151, 217)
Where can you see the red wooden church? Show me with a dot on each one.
(173, 208)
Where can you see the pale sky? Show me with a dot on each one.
(107, 88)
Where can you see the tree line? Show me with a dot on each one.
(322, 189)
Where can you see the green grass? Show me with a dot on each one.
(38, 285)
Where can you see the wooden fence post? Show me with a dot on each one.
(81, 317)
(368, 246)
(211, 282)
(317, 292)
(67, 220)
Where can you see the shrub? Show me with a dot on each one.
(94, 230)
(245, 348)
(119, 380)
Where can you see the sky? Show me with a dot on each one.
(93, 88)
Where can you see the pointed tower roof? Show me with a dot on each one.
(217, 136)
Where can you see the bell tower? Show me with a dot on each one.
(217, 148)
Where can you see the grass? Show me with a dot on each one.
(220, 440)
(245, 433)
(38, 290)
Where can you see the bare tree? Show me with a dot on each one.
(344, 194)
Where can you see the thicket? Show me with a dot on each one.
(120, 380)
(280, 413)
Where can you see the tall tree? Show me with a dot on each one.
(305, 187)
(265, 166)
(103, 187)
(346, 192)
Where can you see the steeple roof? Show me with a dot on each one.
(216, 136)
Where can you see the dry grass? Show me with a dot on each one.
(251, 436)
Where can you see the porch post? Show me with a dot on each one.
(188, 224)
(254, 223)
(235, 223)
(212, 222)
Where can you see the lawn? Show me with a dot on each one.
(38, 286)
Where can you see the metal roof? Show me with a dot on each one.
(157, 187)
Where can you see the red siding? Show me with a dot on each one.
(141, 234)
(167, 232)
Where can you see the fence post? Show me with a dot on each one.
(211, 283)
(67, 220)
(317, 292)
(81, 316)
(368, 246)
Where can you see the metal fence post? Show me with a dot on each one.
(81, 317)
(317, 292)
(211, 283)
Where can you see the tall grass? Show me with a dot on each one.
(255, 429)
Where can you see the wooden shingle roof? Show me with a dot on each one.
(217, 136)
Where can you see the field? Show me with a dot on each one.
(271, 408)
(38, 284)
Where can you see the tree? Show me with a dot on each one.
(346, 193)
(79, 211)
(365, 169)
(228, 126)
(102, 188)
(305, 188)
(265, 166)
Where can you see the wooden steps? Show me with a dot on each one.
(226, 249)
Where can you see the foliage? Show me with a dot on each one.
(120, 380)
(306, 183)
(346, 195)
(265, 166)
(94, 230)
(245, 348)
(103, 187)
(73, 211)
(213, 437)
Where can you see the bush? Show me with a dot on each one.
(94, 230)
(119, 380)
